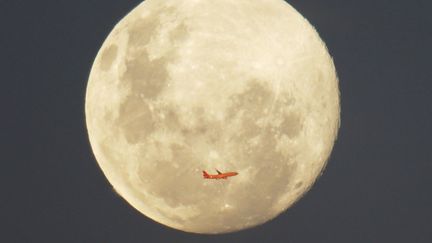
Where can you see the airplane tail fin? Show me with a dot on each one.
(205, 174)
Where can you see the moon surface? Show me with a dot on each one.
(189, 85)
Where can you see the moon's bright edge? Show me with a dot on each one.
(189, 85)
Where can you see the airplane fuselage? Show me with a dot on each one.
(219, 176)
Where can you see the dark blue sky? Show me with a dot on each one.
(377, 185)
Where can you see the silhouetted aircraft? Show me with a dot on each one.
(219, 175)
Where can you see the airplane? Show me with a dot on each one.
(219, 175)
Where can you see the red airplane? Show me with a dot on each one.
(219, 175)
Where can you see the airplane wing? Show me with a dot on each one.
(219, 172)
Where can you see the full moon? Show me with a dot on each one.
(183, 86)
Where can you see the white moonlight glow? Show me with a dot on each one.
(189, 85)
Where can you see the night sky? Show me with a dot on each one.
(376, 187)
